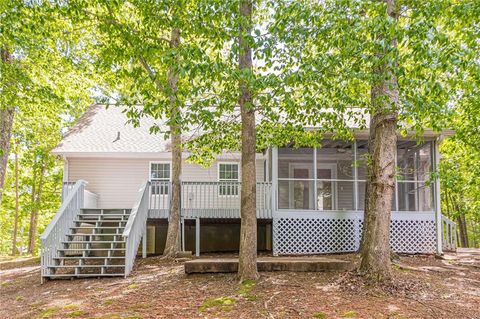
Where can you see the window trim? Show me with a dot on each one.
(150, 174)
(220, 180)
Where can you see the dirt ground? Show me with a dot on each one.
(424, 287)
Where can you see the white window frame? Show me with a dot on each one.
(231, 180)
(159, 179)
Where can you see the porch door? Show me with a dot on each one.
(302, 190)
(325, 195)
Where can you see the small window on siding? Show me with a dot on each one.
(228, 178)
(160, 176)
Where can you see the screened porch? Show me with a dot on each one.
(332, 178)
(320, 193)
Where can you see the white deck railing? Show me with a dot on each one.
(160, 195)
(55, 233)
(449, 234)
(208, 199)
(136, 227)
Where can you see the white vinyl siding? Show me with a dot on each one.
(117, 180)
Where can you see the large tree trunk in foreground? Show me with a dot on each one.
(36, 200)
(172, 245)
(15, 221)
(247, 266)
(6, 123)
(380, 186)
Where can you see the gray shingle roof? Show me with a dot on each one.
(105, 129)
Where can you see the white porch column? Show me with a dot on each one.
(274, 178)
(274, 195)
(438, 203)
(315, 190)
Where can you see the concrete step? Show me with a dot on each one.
(296, 264)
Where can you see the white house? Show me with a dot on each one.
(309, 200)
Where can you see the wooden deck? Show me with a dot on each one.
(296, 264)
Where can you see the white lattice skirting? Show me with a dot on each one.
(297, 233)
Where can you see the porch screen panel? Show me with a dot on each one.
(295, 178)
(414, 170)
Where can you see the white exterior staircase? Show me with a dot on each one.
(89, 242)
(94, 246)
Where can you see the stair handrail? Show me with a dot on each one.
(51, 239)
(449, 234)
(136, 227)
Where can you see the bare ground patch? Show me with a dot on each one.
(423, 287)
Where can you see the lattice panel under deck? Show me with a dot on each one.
(318, 235)
(413, 236)
(314, 235)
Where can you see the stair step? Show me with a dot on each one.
(96, 227)
(85, 275)
(90, 257)
(93, 242)
(87, 266)
(101, 234)
(103, 215)
(91, 249)
(100, 221)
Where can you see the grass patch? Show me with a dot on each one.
(74, 314)
(245, 289)
(224, 303)
(19, 298)
(108, 302)
(49, 312)
(71, 307)
(349, 314)
(133, 286)
(319, 315)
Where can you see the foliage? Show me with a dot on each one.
(49, 89)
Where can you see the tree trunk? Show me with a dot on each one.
(6, 123)
(172, 245)
(247, 266)
(32, 233)
(462, 228)
(15, 222)
(382, 147)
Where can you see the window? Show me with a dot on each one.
(228, 178)
(160, 176)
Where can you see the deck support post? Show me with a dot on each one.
(182, 226)
(197, 237)
(438, 207)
